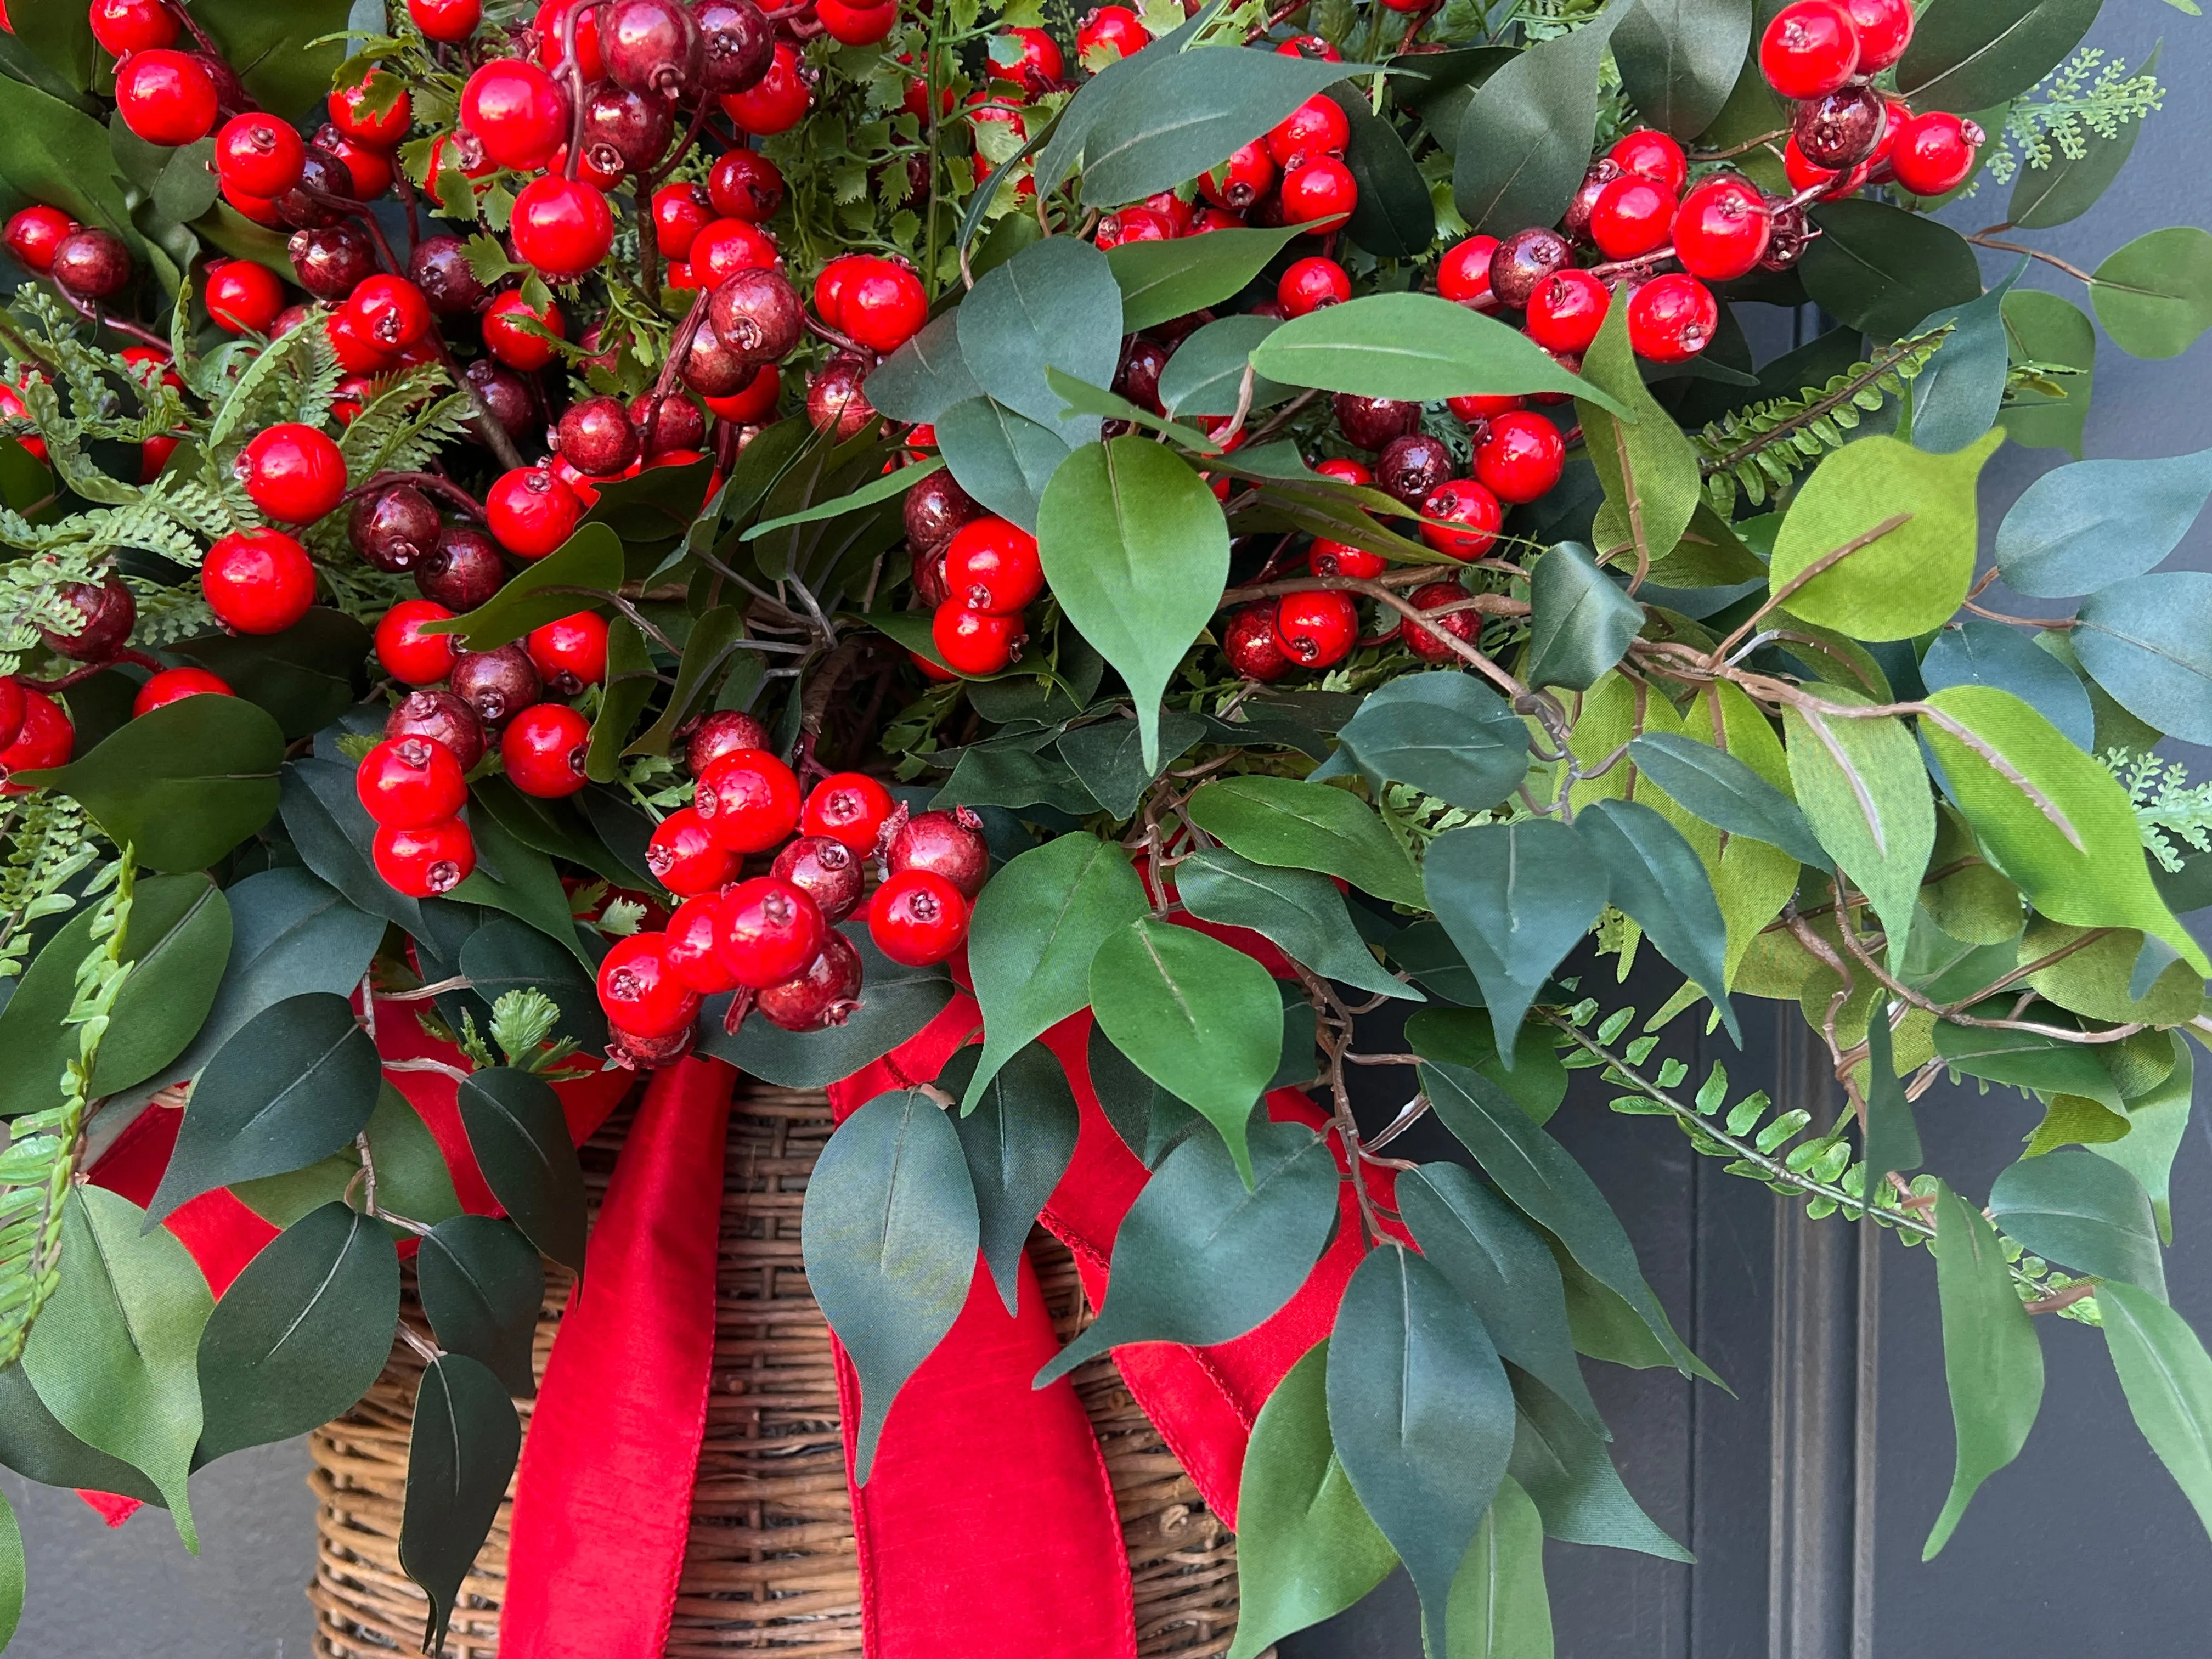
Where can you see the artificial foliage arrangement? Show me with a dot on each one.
(1054, 575)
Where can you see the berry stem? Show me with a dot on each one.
(101, 320)
(1982, 238)
(487, 423)
(430, 481)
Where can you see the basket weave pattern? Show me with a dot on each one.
(771, 1564)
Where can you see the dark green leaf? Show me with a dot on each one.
(2080, 528)
(1301, 912)
(1465, 1037)
(503, 956)
(591, 560)
(885, 486)
(520, 1139)
(37, 1447)
(268, 46)
(1516, 898)
(1678, 59)
(516, 877)
(658, 505)
(925, 376)
(1978, 652)
(2027, 1060)
(460, 1456)
(1205, 376)
(1003, 460)
(1163, 281)
(1308, 826)
(715, 639)
(1582, 621)
(2075, 1208)
(1561, 1463)
(1725, 793)
(300, 1334)
(333, 834)
(1395, 218)
(2154, 296)
(1201, 1259)
(1956, 398)
(11, 1572)
(1105, 86)
(412, 1177)
(1017, 1140)
(187, 187)
(1149, 1119)
(1973, 55)
(1655, 875)
(889, 1233)
(896, 1002)
(307, 676)
(483, 1288)
(1526, 138)
(560, 829)
(2143, 640)
(631, 681)
(1422, 1417)
(58, 154)
(1413, 346)
(1881, 268)
(2168, 1379)
(1446, 734)
(1892, 1136)
(62, 36)
(1054, 305)
(1109, 756)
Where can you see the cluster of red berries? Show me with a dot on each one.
(772, 938)
(1845, 134)
(977, 572)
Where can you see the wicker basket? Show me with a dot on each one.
(771, 1564)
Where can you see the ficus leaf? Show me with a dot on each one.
(1516, 898)
(2073, 1207)
(460, 1455)
(1308, 826)
(2168, 1379)
(1017, 1139)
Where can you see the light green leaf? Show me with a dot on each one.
(2154, 296)
(1863, 788)
(11, 1572)
(1309, 826)
(1499, 1607)
(1649, 472)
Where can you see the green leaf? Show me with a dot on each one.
(889, 1234)
(187, 186)
(1446, 734)
(1301, 912)
(1077, 120)
(520, 1139)
(307, 677)
(1017, 1142)
(333, 834)
(2027, 1060)
(58, 154)
(1108, 756)
(1163, 281)
(268, 45)
(1979, 651)
(460, 1455)
(1957, 397)
(2054, 820)
(1136, 551)
(64, 39)
(412, 1177)
(1880, 269)
(1422, 1416)
(1055, 305)
(295, 1082)
(1526, 138)
(1656, 876)
(300, 1334)
(1561, 1463)
(1200, 1019)
(183, 785)
(1992, 1360)
(37, 1448)
(483, 1287)
(1892, 1134)
(2156, 1122)
(1649, 472)
(1973, 55)
(1465, 1037)
(2080, 528)
(1412, 346)
(1205, 376)
(1516, 898)
(1308, 826)
(592, 559)
(1499, 1607)
(2154, 296)
(2073, 1207)
(11, 1572)
(113, 1355)
(513, 875)
(1582, 621)
(2070, 186)
(1305, 1549)
(1499, 1263)
(2167, 1378)
(1003, 460)
(2042, 328)
(897, 481)
(1200, 1258)
(1678, 59)
(1725, 793)
(1879, 542)
(1862, 787)
(925, 376)
(896, 1002)
(2143, 640)
(1394, 218)
(1034, 928)
(631, 681)
(1149, 1119)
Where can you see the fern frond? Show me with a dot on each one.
(2166, 803)
(2083, 98)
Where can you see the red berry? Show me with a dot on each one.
(973, 642)
(1567, 310)
(950, 844)
(410, 783)
(1831, 183)
(562, 227)
(543, 749)
(1311, 283)
(355, 355)
(832, 281)
(749, 799)
(745, 184)
(1316, 629)
(855, 26)
(408, 654)
(1425, 639)
(1030, 58)
(258, 581)
(1519, 457)
(1812, 46)
(1463, 274)
(777, 101)
(991, 564)
(45, 737)
(640, 991)
(1671, 319)
(389, 311)
(1108, 33)
(1316, 127)
(1241, 180)
(883, 305)
(123, 26)
(1134, 224)
(1649, 153)
(259, 155)
(165, 97)
(917, 917)
(507, 337)
(850, 807)
(726, 247)
(679, 214)
(425, 862)
(1248, 641)
(1334, 558)
(1311, 47)
(351, 113)
(1631, 216)
(516, 111)
(1934, 153)
(819, 995)
(768, 930)
(825, 869)
(1463, 502)
(1722, 227)
(34, 233)
(754, 401)
(572, 653)
(1321, 188)
(690, 951)
(292, 472)
(1885, 29)
(243, 297)
(444, 719)
(172, 685)
(1478, 408)
(530, 512)
(684, 858)
(447, 20)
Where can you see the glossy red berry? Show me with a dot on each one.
(850, 807)
(1029, 57)
(389, 311)
(172, 685)
(571, 653)
(1812, 46)
(749, 799)
(354, 114)
(258, 581)
(950, 843)
(1425, 639)
(768, 930)
(1519, 457)
(1311, 283)
(165, 97)
(975, 642)
(424, 863)
(641, 991)
(1334, 558)
(530, 512)
(409, 783)
(1463, 274)
(680, 212)
(1316, 629)
(1311, 47)
(1471, 518)
(1885, 29)
(1631, 217)
(1320, 188)
(244, 297)
(690, 951)
(820, 995)
(917, 917)
(1567, 309)
(992, 564)
(726, 246)
(562, 227)
(292, 472)
(1671, 319)
(754, 401)
(684, 858)
(856, 26)
(1108, 33)
(1477, 409)
(1315, 128)
(543, 749)
(1248, 641)
(510, 331)
(446, 21)
(259, 155)
(45, 737)
(777, 101)
(407, 654)
(123, 26)
(517, 112)
(1651, 154)
(1933, 153)
(826, 871)
(1242, 179)
(1722, 227)
(745, 184)
(34, 233)
(884, 306)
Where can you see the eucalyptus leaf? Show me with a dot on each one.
(2078, 529)
(519, 1135)
(1017, 1142)
(2154, 296)
(2142, 641)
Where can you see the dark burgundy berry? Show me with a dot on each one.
(596, 437)
(678, 423)
(950, 843)
(1524, 259)
(930, 584)
(230, 96)
(819, 995)
(331, 260)
(1575, 220)
(633, 1051)
(463, 571)
(91, 264)
(737, 44)
(712, 368)
(835, 399)
(626, 131)
(936, 507)
(505, 393)
(722, 732)
(1372, 422)
(323, 174)
(108, 612)
(439, 267)
(650, 46)
(1412, 468)
(443, 717)
(1841, 129)
(828, 872)
(392, 529)
(758, 315)
(1251, 645)
(498, 684)
(1139, 377)
(1785, 239)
